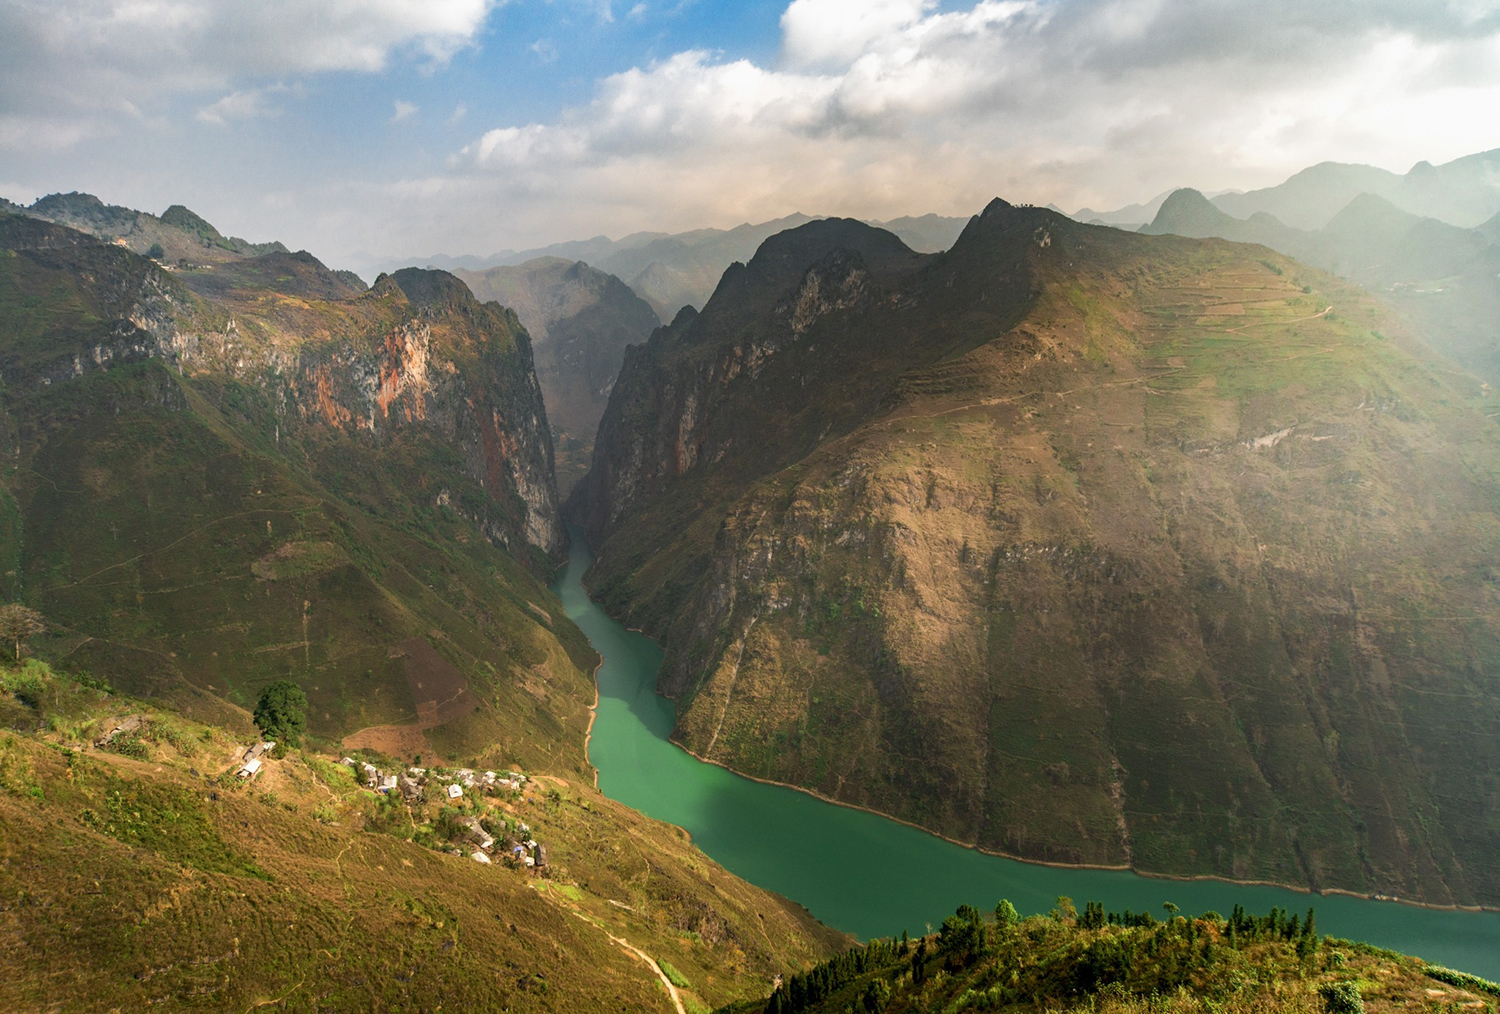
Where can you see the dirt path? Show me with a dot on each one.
(642, 955)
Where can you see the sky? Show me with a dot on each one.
(366, 130)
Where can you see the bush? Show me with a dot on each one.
(155, 252)
(1463, 980)
(675, 977)
(1342, 998)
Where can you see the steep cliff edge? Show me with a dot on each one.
(1078, 545)
(229, 475)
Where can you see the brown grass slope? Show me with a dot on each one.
(160, 880)
(1078, 545)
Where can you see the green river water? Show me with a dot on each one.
(874, 877)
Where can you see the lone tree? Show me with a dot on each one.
(281, 713)
(17, 623)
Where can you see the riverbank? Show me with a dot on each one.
(867, 874)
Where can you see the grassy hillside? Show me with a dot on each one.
(1440, 276)
(1123, 963)
(145, 873)
(1080, 546)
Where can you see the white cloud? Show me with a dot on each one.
(885, 107)
(242, 105)
(403, 110)
(73, 61)
(459, 112)
(836, 32)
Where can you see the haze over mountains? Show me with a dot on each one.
(1174, 550)
(671, 272)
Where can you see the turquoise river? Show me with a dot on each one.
(871, 876)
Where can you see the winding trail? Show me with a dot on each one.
(642, 955)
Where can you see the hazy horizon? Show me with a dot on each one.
(393, 128)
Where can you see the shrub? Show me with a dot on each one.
(1342, 998)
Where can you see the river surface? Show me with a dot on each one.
(873, 877)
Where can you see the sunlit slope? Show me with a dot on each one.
(161, 879)
(1188, 566)
(210, 492)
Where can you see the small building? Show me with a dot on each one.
(249, 768)
(476, 833)
(410, 790)
(347, 762)
(454, 791)
(388, 784)
(258, 749)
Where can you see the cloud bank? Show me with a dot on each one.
(872, 108)
(884, 107)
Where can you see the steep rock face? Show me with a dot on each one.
(1126, 550)
(416, 351)
(218, 484)
(580, 321)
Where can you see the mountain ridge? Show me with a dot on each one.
(887, 603)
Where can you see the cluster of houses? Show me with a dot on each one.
(251, 762)
(412, 782)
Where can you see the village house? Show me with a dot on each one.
(476, 833)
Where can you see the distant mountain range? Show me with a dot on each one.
(673, 271)
(178, 232)
(1445, 277)
(1464, 192)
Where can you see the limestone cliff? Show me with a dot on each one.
(223, 476)
(416, 351)
(1079, 545)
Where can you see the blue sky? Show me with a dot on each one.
(370, 129)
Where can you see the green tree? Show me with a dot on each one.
(1006, 915)
(155, 252)
(17, 623)
(281, 713)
